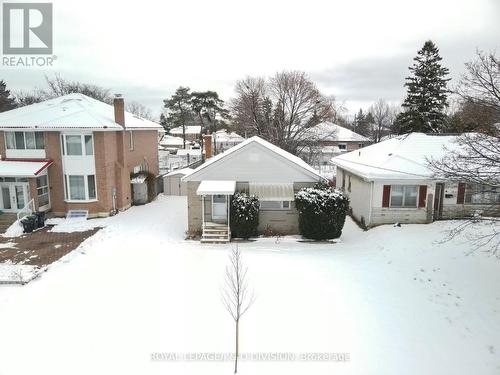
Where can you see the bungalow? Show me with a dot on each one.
(254, 166)
(391, 182)
(73, 152)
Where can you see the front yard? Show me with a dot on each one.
(393, 298)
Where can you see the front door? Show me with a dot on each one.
(219, 207)
(15, 196)
(438, 201)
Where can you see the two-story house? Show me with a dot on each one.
(73, 152)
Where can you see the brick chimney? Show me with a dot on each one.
(119, 110)
(207, 144)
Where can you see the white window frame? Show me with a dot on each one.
(404, 196)
(38, 189)
(67, 188)
(13, 133)
(280, 208)
(64, 144)
(342, 146)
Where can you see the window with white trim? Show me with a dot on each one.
(481, 194)
(24, 141)
(77, 144)
(80, 187)
(342, 146)
(42, 190)
(404, 195)
(274, 205)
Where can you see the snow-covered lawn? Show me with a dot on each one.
(393, 298)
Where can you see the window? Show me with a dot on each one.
(131, 140)
(73, 145)
(80, 188)
(42, 189)
(361, 145)
(77, 144)
(481, 194)
(24, 140)
(89, 147)
(404, 196)
(342, 146)
(275, 205)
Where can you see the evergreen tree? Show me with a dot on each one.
(179, 110)
(6, 101)
(362, 123)
(426, 99)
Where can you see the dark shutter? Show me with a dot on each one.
(422, 196)
(461, 193)
(386, 196)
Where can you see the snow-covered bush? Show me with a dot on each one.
(244, 215)
(322, 211)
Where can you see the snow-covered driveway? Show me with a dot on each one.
(392, 298)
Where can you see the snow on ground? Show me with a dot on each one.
(17, 273)
(393, 298)
(15, 230)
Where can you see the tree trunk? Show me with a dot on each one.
(237, 350)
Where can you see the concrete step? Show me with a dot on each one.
(214, 241)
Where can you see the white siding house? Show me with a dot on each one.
(390, 182)
(254, 166)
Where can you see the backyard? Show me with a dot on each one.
(392, 300)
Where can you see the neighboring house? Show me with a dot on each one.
(324, 141)
(170, 143)
(391, 182)
(73, 152)
(254, 166)
(192, 132)
(224, 140)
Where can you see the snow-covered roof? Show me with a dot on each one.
(295, 160)
(403, 157)
(328, 131)
(225, 136)
(169, 140)
(72, 111)
(207, 187)
(190, 129)
(16, 168)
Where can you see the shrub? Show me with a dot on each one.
(244, 215)
(322, 212)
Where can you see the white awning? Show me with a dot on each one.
(272, 192)
(16, 168)
(216, 187)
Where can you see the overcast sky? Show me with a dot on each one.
(358, 51)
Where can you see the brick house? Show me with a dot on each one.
(73, 152)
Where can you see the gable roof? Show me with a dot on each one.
(328, 131)
(278, 152)
(72, 111)
(402, 157)
(190, 129)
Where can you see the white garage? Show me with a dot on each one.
(172, 184)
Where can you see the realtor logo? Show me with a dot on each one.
(27, 28)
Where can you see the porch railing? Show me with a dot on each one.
(26, 210)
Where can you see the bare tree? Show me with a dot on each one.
(481, 83)
(235, 294)
(281, 108)
(383, 116)
(476, 162)
(140, 110)
(58, 86)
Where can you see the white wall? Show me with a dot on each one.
(359, 195)
(254, 163)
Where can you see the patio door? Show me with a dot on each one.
(219, 207)
(14, 196)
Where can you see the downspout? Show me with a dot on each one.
(371, 204)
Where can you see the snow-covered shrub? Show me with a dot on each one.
(244, 215)
(322, 211)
